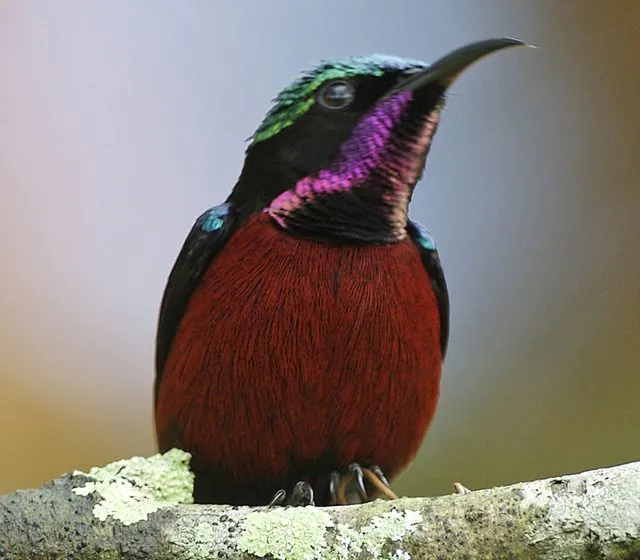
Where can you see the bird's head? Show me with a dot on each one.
(340, 152)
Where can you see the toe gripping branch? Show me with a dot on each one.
(301, 495)
(344, 488)
(340, 484)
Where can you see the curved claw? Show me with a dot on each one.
(278, 498)
(377, 479)
(301, 495)
(375, 469)
(355, 471)
(342, 488)
(356, 476)
(334, 485)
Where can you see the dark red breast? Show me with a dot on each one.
(295, 357)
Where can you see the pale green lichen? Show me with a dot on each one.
(198, 540)
(372, 538)
(201, 542)
(286, 533)
(133, 488)
(302, 534)
(348, 541)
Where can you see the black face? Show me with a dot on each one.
(279, 159)
(312, 142)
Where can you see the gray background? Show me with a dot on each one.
(121, 121)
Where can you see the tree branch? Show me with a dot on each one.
(136, 509)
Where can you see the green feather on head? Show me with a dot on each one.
(296, 99)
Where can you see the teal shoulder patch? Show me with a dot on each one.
(214, 218)
(424, 237)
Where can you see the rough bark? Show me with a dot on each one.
(139, 508)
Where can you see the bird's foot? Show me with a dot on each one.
(356, 475)
(460, 489)
(301, 495)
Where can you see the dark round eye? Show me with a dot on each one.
(337, 94)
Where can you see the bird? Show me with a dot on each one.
(304, 324)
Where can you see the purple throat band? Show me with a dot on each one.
(371, 147)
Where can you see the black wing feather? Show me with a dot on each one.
(201, 246)
(431, 261)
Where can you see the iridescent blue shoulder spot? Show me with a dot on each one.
(424, 237)
(214, 218)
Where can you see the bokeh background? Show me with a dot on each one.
(121, 121)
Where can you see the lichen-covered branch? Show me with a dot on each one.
(139, 508)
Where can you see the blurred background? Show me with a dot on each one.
(121, 121)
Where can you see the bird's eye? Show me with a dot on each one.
(337, 94)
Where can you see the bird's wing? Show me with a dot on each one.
(431, 261)
(205, 240)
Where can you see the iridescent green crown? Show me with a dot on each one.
(297, 98)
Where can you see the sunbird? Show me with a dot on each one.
(304, 324)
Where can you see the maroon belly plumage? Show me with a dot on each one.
(295, 358)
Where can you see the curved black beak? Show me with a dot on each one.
(446, 69)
